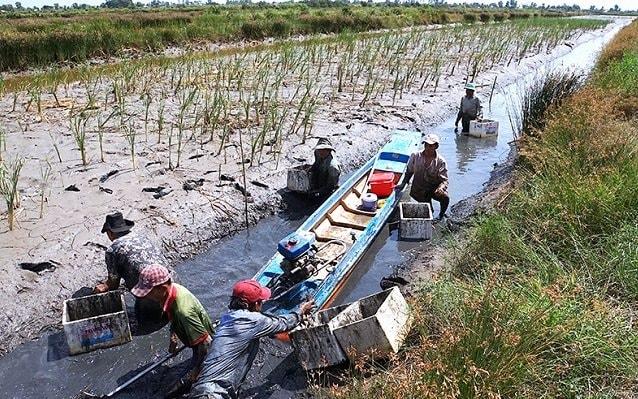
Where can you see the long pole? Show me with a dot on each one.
(144, 372)
(243, 170)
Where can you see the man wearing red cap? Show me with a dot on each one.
(189, 321)
(236, 340)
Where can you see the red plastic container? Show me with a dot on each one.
(382, 184)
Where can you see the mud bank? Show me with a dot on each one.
(185, 221)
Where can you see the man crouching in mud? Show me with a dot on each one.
(128, 254)
(325, 171)
(189, 321)
(236, 341)
(430, 175)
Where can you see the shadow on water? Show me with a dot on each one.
(57, 347)
(43, 369)
(156, 383)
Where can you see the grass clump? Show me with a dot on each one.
(545, 93)
(539, 301)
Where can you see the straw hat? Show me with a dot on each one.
(324, 144)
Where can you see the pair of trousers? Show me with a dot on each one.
(428, 195)
(465, 122)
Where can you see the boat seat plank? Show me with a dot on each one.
(360, 187)
(352, 202)
(342, 217)
(326, 231)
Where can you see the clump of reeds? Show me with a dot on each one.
(541, 95)
(9, 178)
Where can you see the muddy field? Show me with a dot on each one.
(204, 189)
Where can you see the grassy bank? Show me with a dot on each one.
(28, 40)
(540, 298)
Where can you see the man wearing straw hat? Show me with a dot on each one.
(469, 110)
(430, 175)
(325, 172)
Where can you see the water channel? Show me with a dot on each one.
(43, 368)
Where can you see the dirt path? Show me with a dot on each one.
(186, 222)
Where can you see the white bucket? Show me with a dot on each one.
(369, 202)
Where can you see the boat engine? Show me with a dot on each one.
(300, 260)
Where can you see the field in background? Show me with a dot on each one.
(540, 298)
(248, 105)
(28, 40)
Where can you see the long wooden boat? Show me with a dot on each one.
(315, 261)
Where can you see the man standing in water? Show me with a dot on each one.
(128, 254)
(236, 341)
(325, 172)
(469, 110)
(189, 321)
(430, 175)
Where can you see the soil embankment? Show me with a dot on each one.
(185, 221)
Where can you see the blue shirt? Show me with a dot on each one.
(234, 349)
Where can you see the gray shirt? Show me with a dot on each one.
(128, 255)
(234, 349)
(470, 107)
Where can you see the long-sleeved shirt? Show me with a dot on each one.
(470, 107)
(325, 174)
(128, 255)
(429, 174)
(234, 349)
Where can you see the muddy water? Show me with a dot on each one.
(43, 369)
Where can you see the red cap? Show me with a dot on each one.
(150, 276)
(251, 291)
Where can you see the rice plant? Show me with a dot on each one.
(78, 129)
(45, 176)
(130, 135)
(55, 147)
(3, 141)
(9, 178)
(147, 99)
(160, 120)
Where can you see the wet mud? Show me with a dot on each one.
(43, 368)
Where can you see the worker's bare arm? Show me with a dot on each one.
(108, 285)
(199, 355)
(406, 179)
(172, 343)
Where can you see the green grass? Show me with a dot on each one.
(539, 300)
(28, 40)
(623, 75)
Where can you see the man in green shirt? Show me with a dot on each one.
(189, 321)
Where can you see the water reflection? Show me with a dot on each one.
(472, 148)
